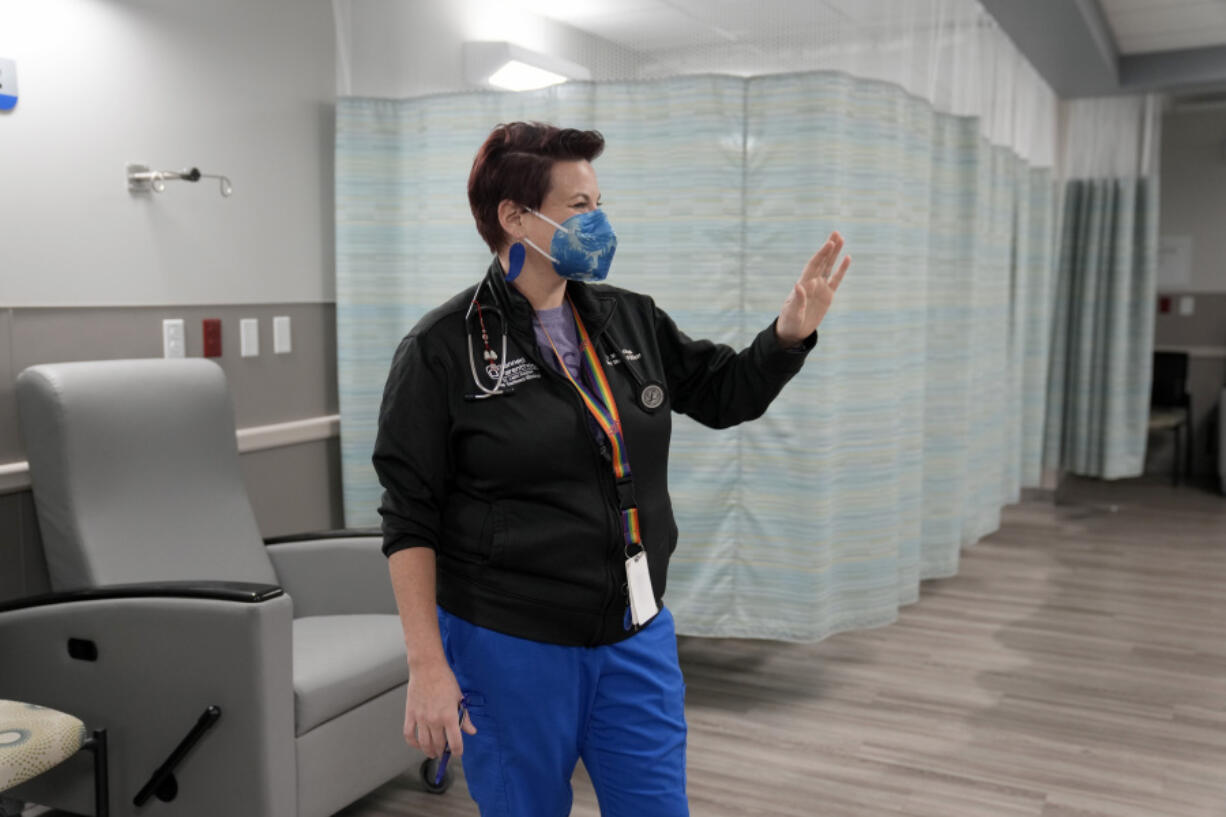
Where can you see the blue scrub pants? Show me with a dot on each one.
(539, 707)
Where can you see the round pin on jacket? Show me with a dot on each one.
(651, 396)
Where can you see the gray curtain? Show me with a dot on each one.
(1102, 331)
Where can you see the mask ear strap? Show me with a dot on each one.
(531, 244)
(548, 219)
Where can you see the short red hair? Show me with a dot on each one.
(515, 163)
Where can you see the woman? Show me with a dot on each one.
(523, 449)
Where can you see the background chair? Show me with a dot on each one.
(1171, 408)
(232, 677)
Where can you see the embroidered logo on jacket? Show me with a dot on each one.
(626, 354)
(519, 370)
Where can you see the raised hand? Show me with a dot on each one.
(812, 295)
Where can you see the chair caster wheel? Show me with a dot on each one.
(429, 771)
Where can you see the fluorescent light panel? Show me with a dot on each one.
(507, 66)
(519, 76)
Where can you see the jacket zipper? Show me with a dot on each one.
(604, 473)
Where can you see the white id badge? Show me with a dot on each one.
(638, 580)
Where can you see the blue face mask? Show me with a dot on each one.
(582, 247)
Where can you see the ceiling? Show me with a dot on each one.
(1145, 26)
(1137, 26)
(660, 25)
(1082, 47)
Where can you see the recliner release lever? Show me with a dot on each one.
(163, 783)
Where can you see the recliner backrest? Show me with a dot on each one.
(135, 472)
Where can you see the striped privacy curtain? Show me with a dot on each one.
(918, 416)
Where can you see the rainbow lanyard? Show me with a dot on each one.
(604, 410)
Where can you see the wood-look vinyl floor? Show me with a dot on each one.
(1075, 667)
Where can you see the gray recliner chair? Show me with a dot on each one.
(233, 678)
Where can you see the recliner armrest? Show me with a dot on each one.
(244, 592)
(341, 533)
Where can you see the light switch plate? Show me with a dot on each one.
(249, 337)
(8, 84)
(174, 338)
(1187, 305)
(281, 338)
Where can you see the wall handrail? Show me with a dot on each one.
(15, 476)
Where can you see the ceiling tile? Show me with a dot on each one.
(1165, 25)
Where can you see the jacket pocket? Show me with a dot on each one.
(470, 532)
(497, 525)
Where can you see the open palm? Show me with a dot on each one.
(812, 295)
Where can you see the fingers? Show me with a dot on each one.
(820, 264)
(410, 736)
(431, 740)
(837, 278)
(420, 736)
(802, 297)
(795, 304)
(454, 739)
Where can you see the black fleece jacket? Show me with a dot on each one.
(513, 493)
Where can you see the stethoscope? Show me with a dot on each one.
(491, 357)
(651, 393)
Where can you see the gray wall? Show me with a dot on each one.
(89, 270)
(246, 89)
(1193, 190)
(1193, 203)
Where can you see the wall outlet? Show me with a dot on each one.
(249, 337)
(212, 337)
(174, 338)
(281, 342)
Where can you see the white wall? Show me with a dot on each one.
(406, 48)
(240, 87)
(1193, 191)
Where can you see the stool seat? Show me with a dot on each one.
(34, 739)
